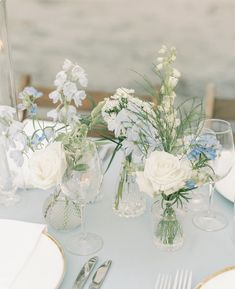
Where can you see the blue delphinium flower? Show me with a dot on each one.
(206, 145)
(190, 184)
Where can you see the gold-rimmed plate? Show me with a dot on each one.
(223, 279)
(46, 267)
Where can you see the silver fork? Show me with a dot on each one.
(183, 280)
(163, 281)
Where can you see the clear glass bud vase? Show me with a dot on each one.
(168, 233)
(7, 83)
(60, 212)
(8, 186)
(129, 202)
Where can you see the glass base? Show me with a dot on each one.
(176, 245)
(210, 221)
(84, 244)
(130, 210)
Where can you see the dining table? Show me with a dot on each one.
(128, 242)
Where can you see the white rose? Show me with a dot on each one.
(47, 166)
(164, 172)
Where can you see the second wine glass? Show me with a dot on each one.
(221, 162)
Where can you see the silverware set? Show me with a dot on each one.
(182, 280)
(98, 277)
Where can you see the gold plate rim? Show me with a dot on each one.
(59, 246)
(212, 276)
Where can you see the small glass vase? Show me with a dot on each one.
(168, 232)
(60, 212)
(129, 201)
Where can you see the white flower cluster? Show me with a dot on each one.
(169, 77)
(124, 115)
(70, 83)
(12, 136)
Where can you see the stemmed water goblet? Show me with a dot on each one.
(80, 184)
(220, 165)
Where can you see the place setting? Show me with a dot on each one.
(113, 190)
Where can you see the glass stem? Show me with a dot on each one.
(83, 219)
(211, 194)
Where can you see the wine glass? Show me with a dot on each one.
(220, 165)
(80, 184)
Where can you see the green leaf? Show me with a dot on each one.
(81, 167)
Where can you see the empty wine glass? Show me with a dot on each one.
(220, 165)
(80, 184)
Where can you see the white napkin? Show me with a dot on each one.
(17, 243)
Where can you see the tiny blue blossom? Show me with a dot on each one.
(190, 184)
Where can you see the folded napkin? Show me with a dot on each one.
(17, 243)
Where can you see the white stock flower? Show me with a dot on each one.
(83, 80)
(55, 96)
(176, 73)
(61, 77)
(47, 166)
(159, 66)
(78, 97)
(69, 89)
(66, 114)
(172, 82)
(165, 173)
(67, 65)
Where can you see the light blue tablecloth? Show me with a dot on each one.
(128, 242)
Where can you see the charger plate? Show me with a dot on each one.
(226, 187)
(46, 267)
(223, 279)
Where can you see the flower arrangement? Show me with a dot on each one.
(167, 137)
(52, 147)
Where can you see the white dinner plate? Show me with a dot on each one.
(224, 279)
(45, 268)
(226, 187)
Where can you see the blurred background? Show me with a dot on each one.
(110, 38)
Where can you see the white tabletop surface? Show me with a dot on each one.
(128, 242)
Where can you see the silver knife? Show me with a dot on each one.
(99, 276)
(85, 272)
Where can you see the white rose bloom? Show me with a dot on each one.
(47, 166)
(69, 89)
(61, 77)
(165, 172)
(144, 184)
(67, 65)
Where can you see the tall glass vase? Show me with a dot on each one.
(8, 186)
(7, 83)
(129, 202)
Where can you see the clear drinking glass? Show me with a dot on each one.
(210, 220)
(80, 184)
